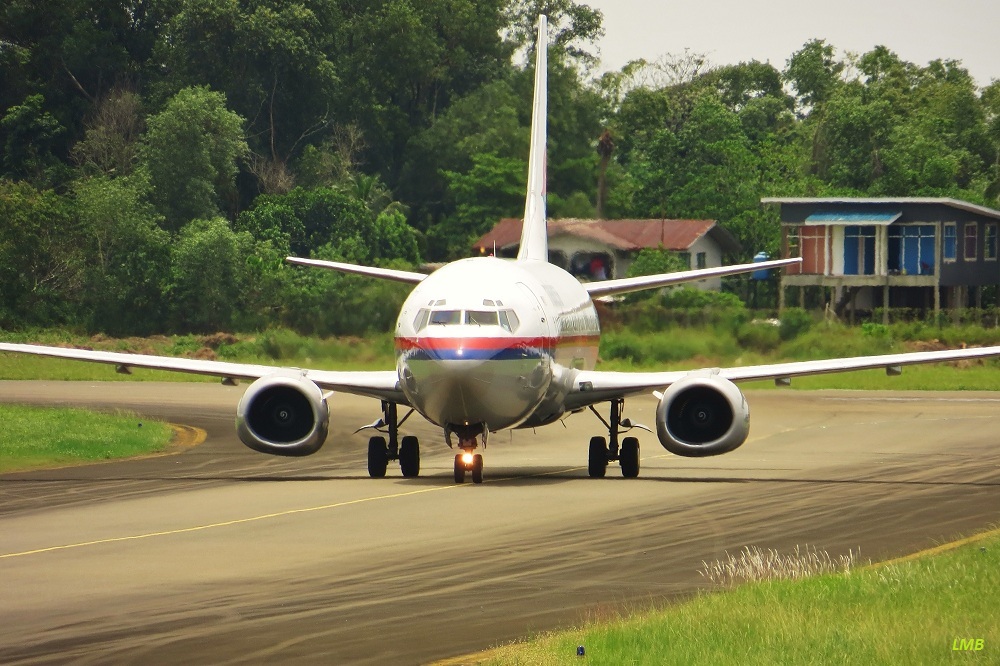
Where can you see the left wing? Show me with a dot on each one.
(381, 384)
(592, 386)
(626, 285)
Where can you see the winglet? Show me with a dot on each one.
(534, 235)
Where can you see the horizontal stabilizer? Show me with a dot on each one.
(355, 269)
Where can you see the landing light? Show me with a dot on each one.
(467, 458)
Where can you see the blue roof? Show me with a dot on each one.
(854, 218)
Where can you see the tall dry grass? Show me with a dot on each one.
(754, 564)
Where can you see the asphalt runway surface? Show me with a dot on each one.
(221, 555)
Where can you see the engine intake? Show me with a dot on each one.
(702, 415)
(283, 416)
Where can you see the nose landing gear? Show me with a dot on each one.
(468, 462)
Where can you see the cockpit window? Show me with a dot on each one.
(481, 317)
(503, 318)
(509, 320)
(446, 317)
(421, 319)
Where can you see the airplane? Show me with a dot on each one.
(487, 344)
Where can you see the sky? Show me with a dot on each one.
(733, 31)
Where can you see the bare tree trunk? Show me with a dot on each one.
(605, 148)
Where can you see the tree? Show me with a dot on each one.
(492, 189)
(129, 255)
(814, 73)
(404, 63)
(305, 220)
(273, 60)
(572, 26)
(41, 263)
(208, 276)
(704, 169)
(851, 139)
(111, 140)
(653, 261)
(991, 105)
(192, 151)
(72, 52)
(487, 121)
(30, 137)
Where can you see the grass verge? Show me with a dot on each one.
(927, 610)
(39, 437)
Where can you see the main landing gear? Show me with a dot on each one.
(602, 453)
(380, 451)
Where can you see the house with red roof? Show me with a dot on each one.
(604, 249)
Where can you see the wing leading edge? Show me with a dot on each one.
(382, 384)
(597, 386)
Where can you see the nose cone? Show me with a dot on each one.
(464, 379)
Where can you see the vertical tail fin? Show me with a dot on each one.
(534, 234)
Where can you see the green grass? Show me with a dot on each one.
(903, 613)
(37, 437)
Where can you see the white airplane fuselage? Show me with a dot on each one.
(493, 343)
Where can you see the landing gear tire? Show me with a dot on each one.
(477, 469)
(409, 457)
(378, 457)
(629, 457)
(597, 465)
(459, 469)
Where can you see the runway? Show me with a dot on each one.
(222, 555)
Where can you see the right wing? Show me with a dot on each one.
(593, 386)
(381, 384)
(383, 273)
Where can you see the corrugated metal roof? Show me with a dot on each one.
(943, 201)
(626, 235)
(867, 219)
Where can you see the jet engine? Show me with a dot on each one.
(702, 415)
(283, 415)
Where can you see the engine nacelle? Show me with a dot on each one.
(283, 415)
(702, 415)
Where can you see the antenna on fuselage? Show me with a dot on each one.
(534, 234)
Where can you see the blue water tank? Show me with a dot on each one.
(760, 275)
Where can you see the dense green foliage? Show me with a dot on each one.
(153, 150)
